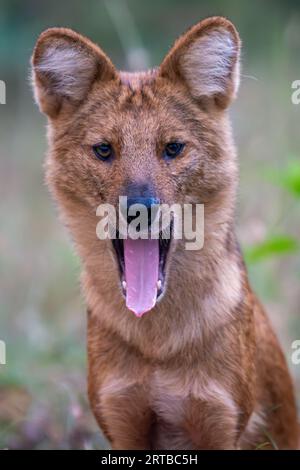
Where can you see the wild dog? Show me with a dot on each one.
(203, 368)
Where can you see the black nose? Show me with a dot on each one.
(141, 193)
(151, 204)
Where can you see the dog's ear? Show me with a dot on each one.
(65, 65)
(206, 60)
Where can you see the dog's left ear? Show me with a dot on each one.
(206, 60)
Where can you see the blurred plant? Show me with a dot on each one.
(287, 178)
(274, 244)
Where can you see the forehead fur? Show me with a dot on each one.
(141, 106)
(136, 80)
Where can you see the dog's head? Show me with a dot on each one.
(160, 136)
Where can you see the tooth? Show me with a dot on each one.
(159, 284)
(124, 285)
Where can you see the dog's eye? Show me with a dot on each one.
(103, 151)
(173, 149)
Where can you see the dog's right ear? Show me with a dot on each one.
(65, 65)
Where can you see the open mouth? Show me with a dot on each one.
(142, 266)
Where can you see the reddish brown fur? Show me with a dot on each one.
(203, 369)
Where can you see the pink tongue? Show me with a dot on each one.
(141, 272)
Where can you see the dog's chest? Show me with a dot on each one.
(169, 406)
(178, 402)
(179, 408)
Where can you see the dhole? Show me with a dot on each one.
(203, 368)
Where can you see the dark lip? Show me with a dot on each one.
(164, 250)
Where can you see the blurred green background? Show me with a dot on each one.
(43, 401)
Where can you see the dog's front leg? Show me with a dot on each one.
(124, 416)
(212, 425)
